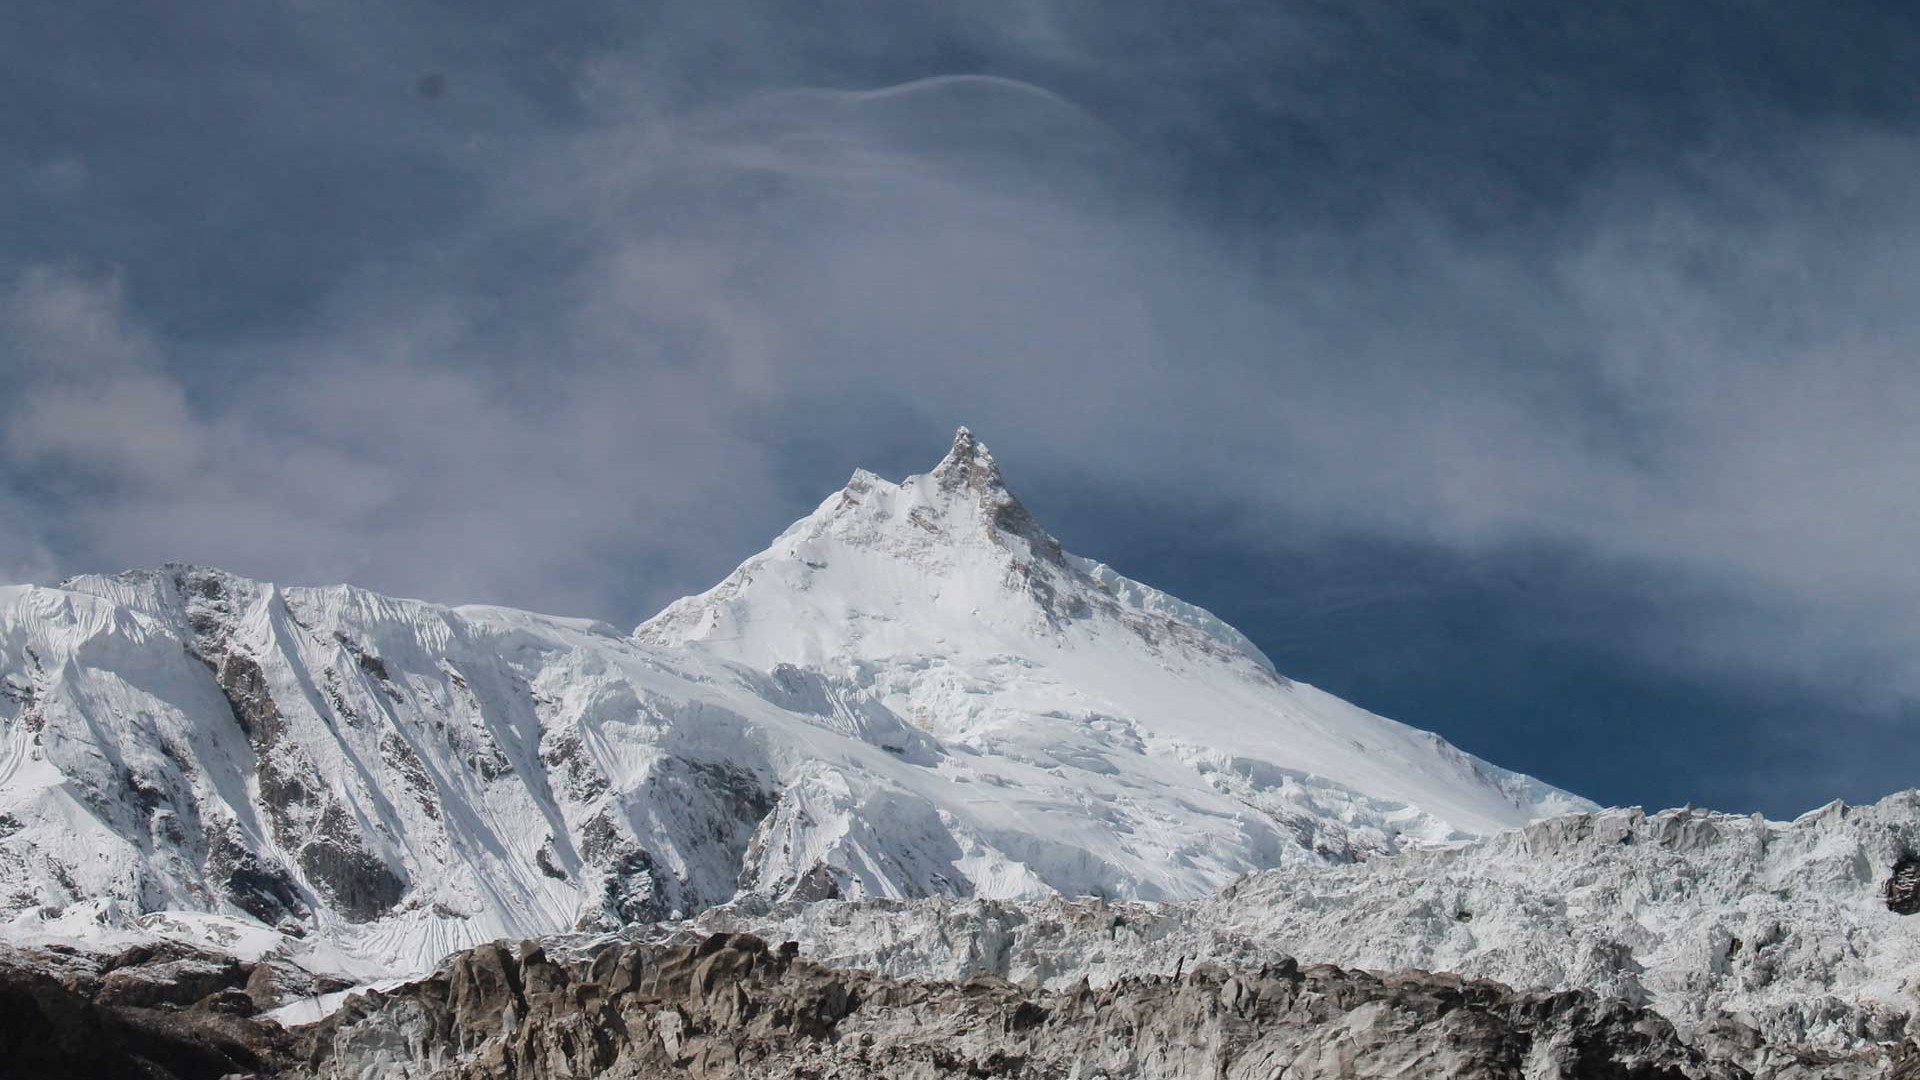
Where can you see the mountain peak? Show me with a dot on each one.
(953, 547)
(969, 467)
(969, 464)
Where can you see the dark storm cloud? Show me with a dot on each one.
(574, 311)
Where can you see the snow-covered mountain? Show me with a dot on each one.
(914, 692)
(945, 600)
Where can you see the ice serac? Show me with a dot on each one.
(915, 692)
(945, 601)
(1787, 946)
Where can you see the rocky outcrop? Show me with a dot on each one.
(732, 1006)
(303, 816)
(1903, 886)
(729, 1005)
(146, 1014)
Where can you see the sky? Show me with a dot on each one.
(1541, 374)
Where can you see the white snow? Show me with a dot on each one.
(912, 693)
(312, 1010)
(916, 594)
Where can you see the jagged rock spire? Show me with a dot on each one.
(969, 464)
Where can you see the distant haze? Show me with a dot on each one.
(1542, 374)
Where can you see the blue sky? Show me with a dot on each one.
(1541, 374)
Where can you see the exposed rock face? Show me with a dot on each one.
(731, 1006)
(145, 976)
(1903, 888)
(151, 1016)
(303, 817)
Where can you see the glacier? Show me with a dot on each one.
(1753, 937)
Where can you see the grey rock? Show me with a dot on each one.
(62, 1019)
(729, 1006)
(1903, 886)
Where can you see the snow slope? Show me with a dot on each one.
(913, 693)
(946, 600)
